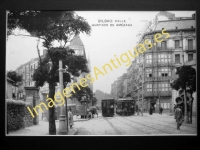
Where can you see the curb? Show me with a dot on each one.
(80, 120)
(72, 131)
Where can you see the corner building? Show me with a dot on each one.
(158, 65)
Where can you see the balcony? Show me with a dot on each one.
(155, 93)
(190, 49)
(165, 48)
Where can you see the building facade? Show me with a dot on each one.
(152, 71)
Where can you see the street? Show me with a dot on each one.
(155, 124)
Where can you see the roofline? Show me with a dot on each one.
(171, 30)
(177, 19)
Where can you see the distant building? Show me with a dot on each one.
(27, 70)
(9, 90)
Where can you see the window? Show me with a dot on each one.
(27, 76)
(149, 87)
(162, 105)
(190, 44)
(164, 72)
(149, 73)
(165, 105)
(27, 68)
(190, 57)
(163, 87)
(164, 58)
(177, 58)
(163, 45)
(149, 59)
(177, 43)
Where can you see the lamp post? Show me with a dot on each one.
(62, 119)
(84, 101)
(142, 84)
(185, 101)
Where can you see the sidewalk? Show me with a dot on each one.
(170, 118)
(39, 130)
(43, 128)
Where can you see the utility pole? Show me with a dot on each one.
(62, 119)
(142, 84)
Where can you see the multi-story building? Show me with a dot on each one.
(157, 66)
(28, 68)
(152, 71)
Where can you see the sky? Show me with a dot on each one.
(101, 45)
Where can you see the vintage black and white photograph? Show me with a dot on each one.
(101, 73)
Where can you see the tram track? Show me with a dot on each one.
(175, 123)
(172, 125)
(173, 129)
(148, 132)
(133, 126)
(114, 128)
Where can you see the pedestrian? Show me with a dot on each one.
(89, 113)
(70, 117)
(179, 112)
(189, 104)
(151, 110)
(161, 110)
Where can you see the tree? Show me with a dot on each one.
(51, 26)
(85, 91)
(186, 78)
(94, 101)
(15, 77)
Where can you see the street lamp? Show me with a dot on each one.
(185, 101)
(84, 101)
(63, 129)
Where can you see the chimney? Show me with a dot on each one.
(44, 52)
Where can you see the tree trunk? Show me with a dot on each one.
(52, 125)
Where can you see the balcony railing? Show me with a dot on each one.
(157, 93)
(165, 48)
(190, 49)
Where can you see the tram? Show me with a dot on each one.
(125, 106)
(107, 107)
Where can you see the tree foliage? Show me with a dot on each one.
(83, 91)
(94, 101)
(186, 77)
(76, 65)
(14, 76)
(51, 26)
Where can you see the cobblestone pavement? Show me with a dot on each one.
(155, 124)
